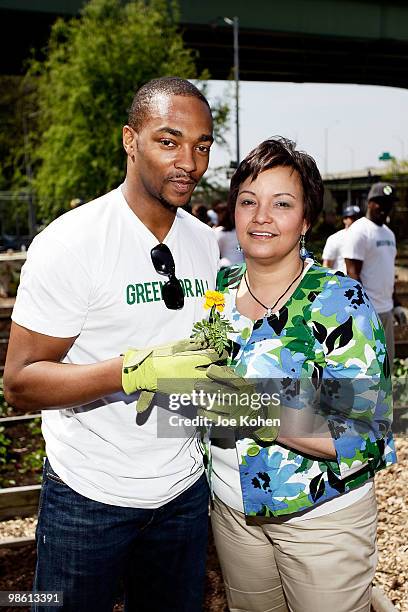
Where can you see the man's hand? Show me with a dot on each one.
(236, 402)
(171, 368)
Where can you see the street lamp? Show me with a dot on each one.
(234, 22)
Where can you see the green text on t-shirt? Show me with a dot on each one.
(151, 291)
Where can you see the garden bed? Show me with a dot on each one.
(21, 453)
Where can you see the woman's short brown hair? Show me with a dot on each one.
(279, 151)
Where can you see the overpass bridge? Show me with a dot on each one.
(326, 41)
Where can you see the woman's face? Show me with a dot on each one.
(269, 214)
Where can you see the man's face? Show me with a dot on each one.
(170, 152)
(378, 210)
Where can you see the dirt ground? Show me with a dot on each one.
(17, 567)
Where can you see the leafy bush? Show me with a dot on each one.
(4, 443)
(400, 383)
(5, 409)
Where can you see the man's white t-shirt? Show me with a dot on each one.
(374, 245)
(333, 250)
(89, 275)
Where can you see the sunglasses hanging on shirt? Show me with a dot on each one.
(172, 291)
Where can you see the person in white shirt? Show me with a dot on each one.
(118, 502)
(369, 252)
(230, 253)
(333, 250)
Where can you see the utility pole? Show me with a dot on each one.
(234, 22)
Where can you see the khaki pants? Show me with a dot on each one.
(387, 319)
(323, 564)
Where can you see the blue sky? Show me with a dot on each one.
(360, 121)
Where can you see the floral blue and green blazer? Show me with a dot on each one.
(327, 332)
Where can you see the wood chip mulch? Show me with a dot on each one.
(392, 498)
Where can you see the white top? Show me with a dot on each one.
(374, 245)
(89, 274)
(333, 250)
(227, 243)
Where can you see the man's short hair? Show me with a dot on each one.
(170, 86)
(275, 152)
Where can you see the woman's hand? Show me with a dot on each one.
(232, 401)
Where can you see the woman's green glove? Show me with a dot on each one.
(237, 402)
(172, 368)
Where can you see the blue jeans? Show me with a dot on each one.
(87, 549)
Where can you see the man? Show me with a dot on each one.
(333, 249)
(369, 252)
(117, 501)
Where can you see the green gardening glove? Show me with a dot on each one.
(171, 368)
(232, 401)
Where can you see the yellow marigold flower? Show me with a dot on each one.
(214, 298)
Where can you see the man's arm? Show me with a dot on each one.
(354, 268)
(330, 251)
(34, 378)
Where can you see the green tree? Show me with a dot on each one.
(14, 155)
(9, 120)
(92, 67)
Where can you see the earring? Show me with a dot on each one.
(303, 252)
(239, 248)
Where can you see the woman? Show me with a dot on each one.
(294, 520)
(227, 237)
